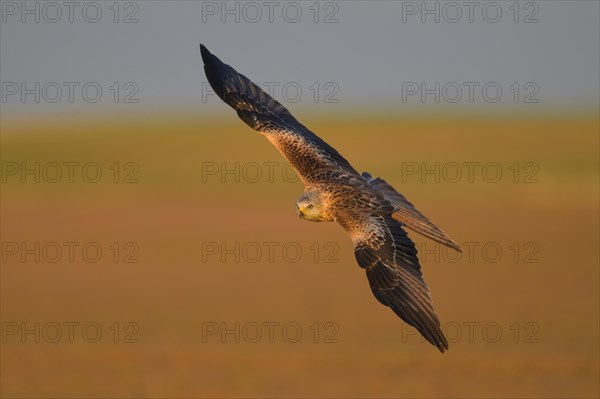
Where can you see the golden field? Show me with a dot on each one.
(521, 309)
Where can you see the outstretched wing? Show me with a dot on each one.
(314, 160)
(382, 248)
(406, 213)
(389, 258)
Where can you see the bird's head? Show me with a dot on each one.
(310, 206)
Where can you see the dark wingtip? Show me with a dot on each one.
(216, 71)
(457, 247)
(442, 346)
(205, 53)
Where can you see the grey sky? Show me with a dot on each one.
(368, 53)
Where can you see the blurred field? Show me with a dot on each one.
(171, 291)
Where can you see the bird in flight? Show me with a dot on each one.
(369, 209)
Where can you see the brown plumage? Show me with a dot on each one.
(369, 209)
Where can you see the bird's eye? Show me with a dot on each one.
(310, 206)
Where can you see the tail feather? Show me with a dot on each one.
(406, 213)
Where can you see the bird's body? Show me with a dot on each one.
(368, 208)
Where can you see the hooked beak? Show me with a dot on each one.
(299, 211)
